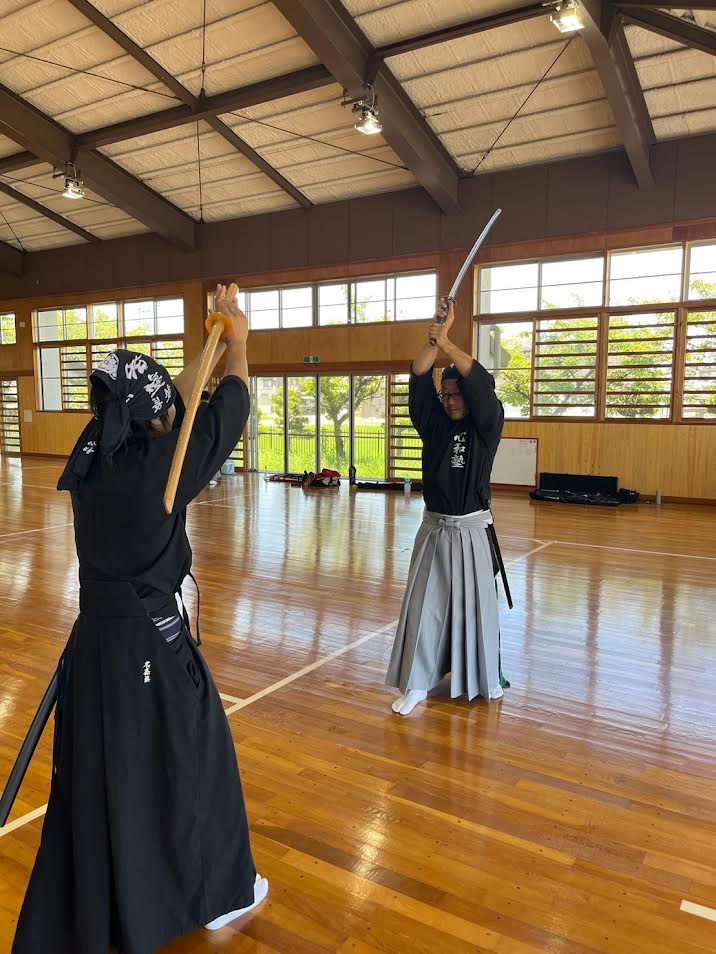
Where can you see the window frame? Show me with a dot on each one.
(9, 344)
(351, 282)
(680, 309)
(121, 340)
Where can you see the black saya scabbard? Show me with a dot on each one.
(28, 750)
(500, 562)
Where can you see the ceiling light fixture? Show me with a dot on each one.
(566, 16)
(73, 184)
(368, 121)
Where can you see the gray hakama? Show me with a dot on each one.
(449, 622)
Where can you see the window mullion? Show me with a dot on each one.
(602, 361)
(679, 366)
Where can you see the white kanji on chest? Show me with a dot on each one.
(459, 450)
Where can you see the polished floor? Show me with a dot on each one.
(578, 815)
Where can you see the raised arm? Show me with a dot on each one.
(234, 348)
(426, 413)
(477, 384)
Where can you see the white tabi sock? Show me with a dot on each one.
(410, 700)
(261, 887)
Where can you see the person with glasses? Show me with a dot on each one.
(449, 621)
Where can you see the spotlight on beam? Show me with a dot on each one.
(566, 16)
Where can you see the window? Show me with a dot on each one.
(404, 444)
(565, 367)
(509, 288)
(8, 335)
(369, 425)
(574, 283)
(307, 422)
(104, 321)
(278, 308)
(147, 318)
(505, 349)
(9, 418)
(72, 341)
(263, 309)
(639, 365)
(296, 307)
(700, 366)
(563, 342)
(62, 324)
(645, 276)
(535, 286)
(333, 304)
(392, 298)
(702, 271)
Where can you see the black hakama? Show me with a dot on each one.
(146, 836)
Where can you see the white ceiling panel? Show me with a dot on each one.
(679, 84)
(246, 41)
(552, 150)
(386, 21)
(90, 213)
(172, 169)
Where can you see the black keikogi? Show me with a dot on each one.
(146, 835)
(458, 455)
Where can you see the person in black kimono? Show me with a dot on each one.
(145, 836)
(449, 620)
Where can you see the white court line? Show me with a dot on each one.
(306, 669)
(340, 652)
(699, 910)
(597, 546)
(227, 698)
(242, 703)
(24, 820)
(19, 533)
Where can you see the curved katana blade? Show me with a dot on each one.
(471, 257)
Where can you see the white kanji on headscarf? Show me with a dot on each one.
(156, 382)
(135, 367)
(110, 366)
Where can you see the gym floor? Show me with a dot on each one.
(577, 815)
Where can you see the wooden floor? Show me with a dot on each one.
(575, 816)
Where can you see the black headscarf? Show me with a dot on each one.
(136, 388)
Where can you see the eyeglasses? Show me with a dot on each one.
(446, 396)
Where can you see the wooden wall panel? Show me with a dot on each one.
(406, 339)
(678, 459)
(49, 432)
(371, 342)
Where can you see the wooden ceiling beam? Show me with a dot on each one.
(342, 47)
(110, 29)
(47, 213)
(673, 28)
(51, 143)
(604, 35)
(257, 94)
(459, 30)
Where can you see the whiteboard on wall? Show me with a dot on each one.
(515, 463)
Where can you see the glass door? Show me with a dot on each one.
(301, 424)
(270, 415)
